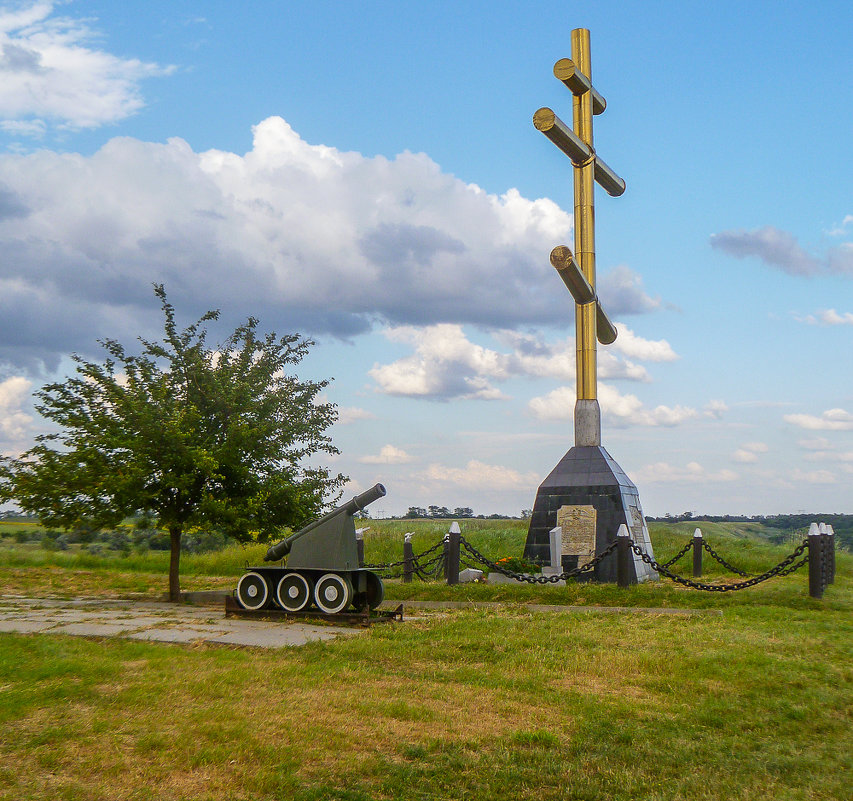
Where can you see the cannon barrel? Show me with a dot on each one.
(352, 506)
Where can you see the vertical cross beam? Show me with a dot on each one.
(584, 183)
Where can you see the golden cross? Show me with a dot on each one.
(578, 270)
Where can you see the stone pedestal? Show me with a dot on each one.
(587, 476)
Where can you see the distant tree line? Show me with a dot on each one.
(443, 513)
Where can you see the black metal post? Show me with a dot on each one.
(697, 553)
(453, 546)
(624, 558)
(408, 559)
(831, 552)
(815, 541)
(445, 550)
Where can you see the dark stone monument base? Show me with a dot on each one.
(588, 476)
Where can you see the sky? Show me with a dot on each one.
(367, 174)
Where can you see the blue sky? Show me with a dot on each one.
(367, 173)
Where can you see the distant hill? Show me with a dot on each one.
(775, 528)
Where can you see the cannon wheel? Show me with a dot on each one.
(252, 591)
(372, 596)
(293, 592)
(332, 593)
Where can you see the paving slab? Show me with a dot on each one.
(93, 629)
(24, 626)
(169, 635)
(278, 636)
(153, 622)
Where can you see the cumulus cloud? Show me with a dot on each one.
(830, 420)
(327, 240)
(827, 317)
(748, 453)
(388, 454)
(620, 410)
(843, 227)
(51, 74)
(648, 350)
(691, 473)
(621, 292)
(447, 364)
(15, 422)
(715, 409)
(351, 414)
(830, 455)
(479, 476)
(780, 249)
(813, 476)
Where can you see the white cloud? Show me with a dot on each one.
(479, 476)
(15, 423)
(388, 454)
(715, 409)
(748, 452)
(813, 476)
(648, 350)
(830, 456)
(828, 317)
(619, 410)
(621, 292)
(830, 420)
(691, 473)
(843, 227)
(447, 364)
(50, 73)
(350, 414)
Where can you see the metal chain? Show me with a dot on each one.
(415, 557)
(678, 556)
(742, 585)
(722, 561)
(566, 574)
(793, 568)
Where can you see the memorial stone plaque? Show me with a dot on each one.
(578, 525)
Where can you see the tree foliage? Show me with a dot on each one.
(194, 435)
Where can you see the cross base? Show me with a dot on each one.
(587, 476)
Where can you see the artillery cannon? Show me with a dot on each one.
(322, 567)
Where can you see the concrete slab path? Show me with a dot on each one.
(157, 622)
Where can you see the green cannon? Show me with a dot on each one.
(322, 567)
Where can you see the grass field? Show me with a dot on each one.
(503, 703)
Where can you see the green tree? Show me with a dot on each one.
(193, 435)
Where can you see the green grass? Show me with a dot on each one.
(486, 704)
(476, 703)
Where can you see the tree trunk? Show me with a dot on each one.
(174, 563)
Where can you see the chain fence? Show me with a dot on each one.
(536, 579)
(423, 569)
(432, 564)
(785, 567)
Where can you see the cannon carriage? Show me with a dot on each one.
(322, 567)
